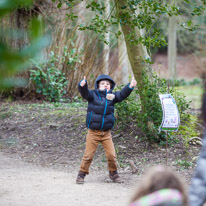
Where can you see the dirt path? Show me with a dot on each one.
(41, 147)
(23, 184)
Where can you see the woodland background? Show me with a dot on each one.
(46, 47)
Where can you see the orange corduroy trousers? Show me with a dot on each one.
(94, 137)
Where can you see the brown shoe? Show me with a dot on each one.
(80, 177)
(114, 176)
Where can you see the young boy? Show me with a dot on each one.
(100, 120)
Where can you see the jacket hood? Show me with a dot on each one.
(103, 77)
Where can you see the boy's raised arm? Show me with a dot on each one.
(83, 89)
(125, 92)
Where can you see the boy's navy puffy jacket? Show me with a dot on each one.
(100, 111)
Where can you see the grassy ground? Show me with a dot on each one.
(193, 93)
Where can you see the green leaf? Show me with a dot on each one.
(123, 7)
(35, 28)
(189, 23)
(59, 5)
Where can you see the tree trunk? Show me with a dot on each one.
(123, 61)
(172, 47)
(136, 53)
(107, 39)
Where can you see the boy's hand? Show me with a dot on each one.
(133, 82)
(83, 82)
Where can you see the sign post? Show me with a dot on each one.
(171, 118)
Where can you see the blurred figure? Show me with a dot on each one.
(197, 193)
(160, 187)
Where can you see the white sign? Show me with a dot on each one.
(171, 118)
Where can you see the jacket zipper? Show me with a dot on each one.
(90, 117)
(113, 121)
(104, 111)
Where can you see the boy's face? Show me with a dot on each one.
(104, 84)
